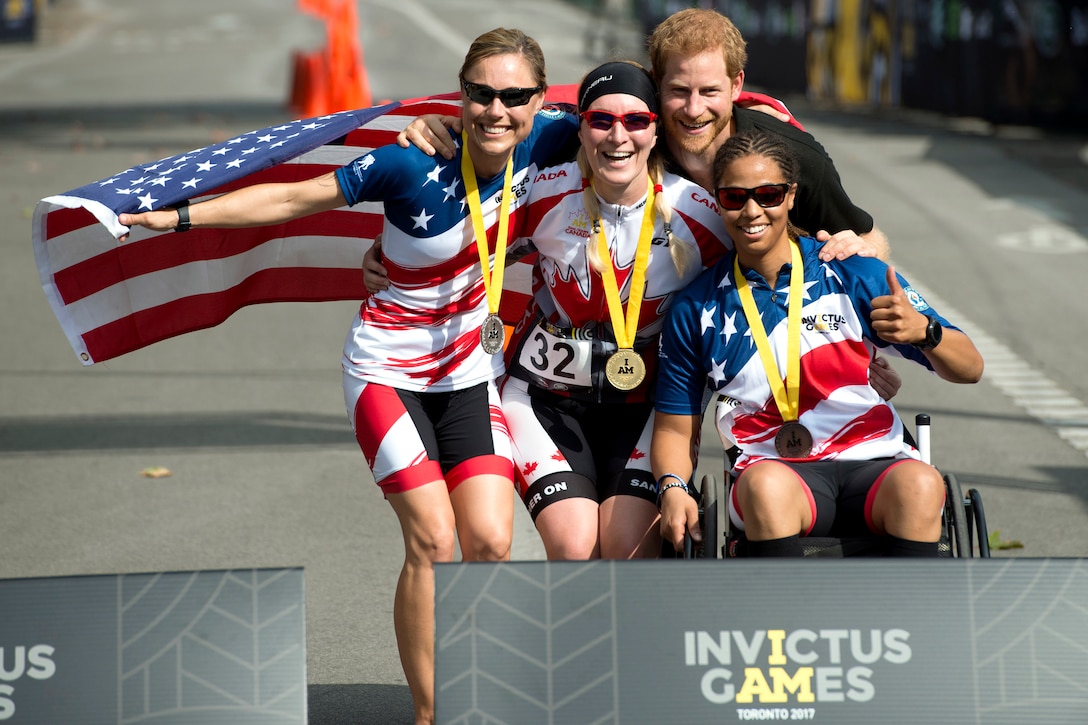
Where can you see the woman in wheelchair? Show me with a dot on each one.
(785, 341)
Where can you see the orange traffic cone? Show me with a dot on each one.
(332, 78)
(300, 82)
(317, 101)
(346, 65)
(320, 8)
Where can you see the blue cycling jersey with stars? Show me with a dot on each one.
(707, 342)
(422, 333)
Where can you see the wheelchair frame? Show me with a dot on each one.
(963, 521)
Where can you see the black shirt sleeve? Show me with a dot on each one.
(821, 201)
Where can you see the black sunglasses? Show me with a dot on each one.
(604, 121)
(510, 97)
(767, 196)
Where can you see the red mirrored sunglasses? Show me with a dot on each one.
(604, 121)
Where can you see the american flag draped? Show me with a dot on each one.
(114, 297)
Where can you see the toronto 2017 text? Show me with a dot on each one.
(776, 713)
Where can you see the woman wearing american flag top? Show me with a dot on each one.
(420, 360)
(785, 340)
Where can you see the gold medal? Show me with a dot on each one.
(793, 440)
(492, 334)
(625, 370)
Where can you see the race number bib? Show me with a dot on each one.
(563, 362)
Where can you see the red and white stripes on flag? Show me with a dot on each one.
(113, 297)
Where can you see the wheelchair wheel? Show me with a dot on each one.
(977, 516)
(713, 523)
(956, 518)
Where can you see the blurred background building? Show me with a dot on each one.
(1005, 61)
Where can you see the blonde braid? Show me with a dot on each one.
(683, 254)
(589, 199)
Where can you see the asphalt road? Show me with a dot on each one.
(249, 416)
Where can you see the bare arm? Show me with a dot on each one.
(878, 243)
(883, 377)
(846, 243)
(429, 134)
(955, 359)
(375, 275)
(251, 206)
(767, 104)
(769, 110)
(671, 452)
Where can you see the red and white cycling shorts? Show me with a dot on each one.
(412, 438)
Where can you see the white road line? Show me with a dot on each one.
(1040, 397)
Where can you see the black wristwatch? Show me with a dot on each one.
(934, 333)
(183, 217)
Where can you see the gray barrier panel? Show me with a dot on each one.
(904, 641)
(210, 647)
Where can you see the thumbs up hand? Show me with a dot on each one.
(893, 316)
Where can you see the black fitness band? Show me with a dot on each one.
(183, 217)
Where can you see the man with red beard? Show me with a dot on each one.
(698, 59)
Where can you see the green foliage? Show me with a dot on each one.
(997, 543)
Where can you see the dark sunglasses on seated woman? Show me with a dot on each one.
(510, 97)
(604, 121)
(767, 196)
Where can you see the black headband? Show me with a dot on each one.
(617, 77)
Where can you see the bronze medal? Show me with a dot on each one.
(793, 440)
(625, 370)
(492, 334)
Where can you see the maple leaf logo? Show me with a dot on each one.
(529, 468)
